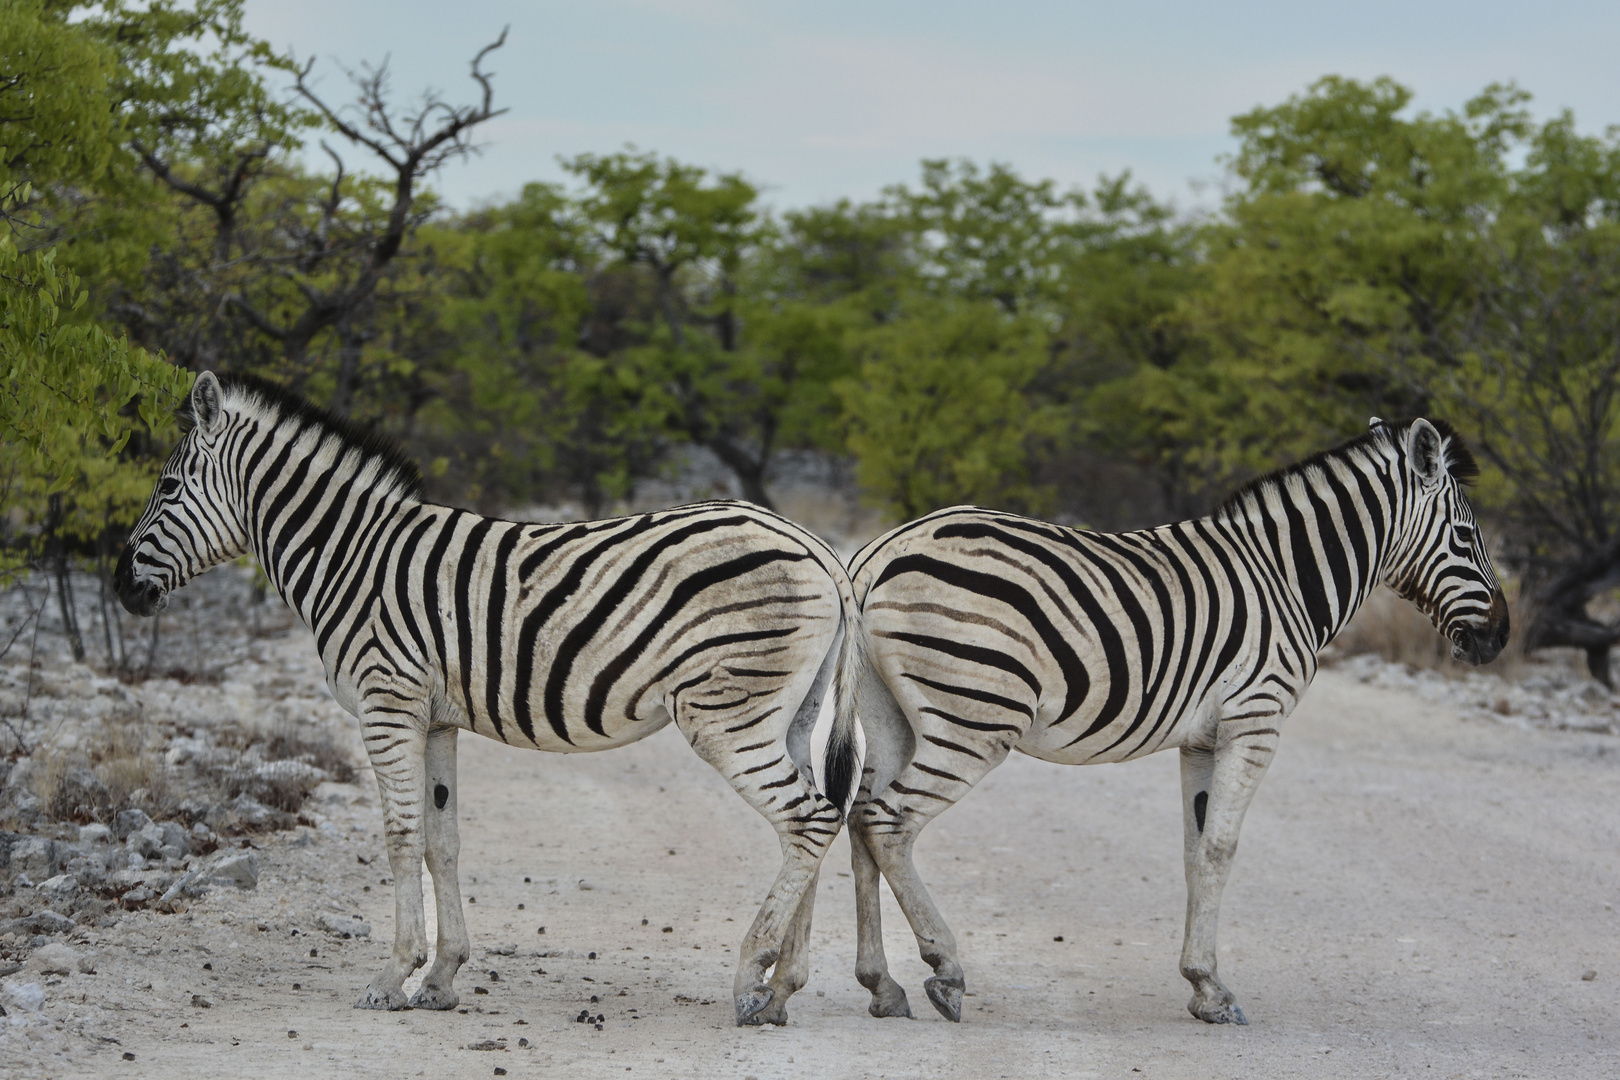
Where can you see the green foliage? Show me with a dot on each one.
(988, 235)
(72, 394)
(967, 336)
(190, 81)
(938, 413)
(54, 118)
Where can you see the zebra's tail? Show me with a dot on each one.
(845, 749)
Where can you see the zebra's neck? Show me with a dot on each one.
(310, 496)
(1329, 530)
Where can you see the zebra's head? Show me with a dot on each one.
(1439, 561)
(191, 522)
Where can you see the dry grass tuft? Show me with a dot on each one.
(132, 768)
(312, 745)
(120, 771)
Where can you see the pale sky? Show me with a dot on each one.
(813, 101)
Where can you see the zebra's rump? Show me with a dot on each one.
(586, 636)
(1078, 647)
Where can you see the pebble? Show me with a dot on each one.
(60, 885)
(130, 821)
(54, 959)
(21, 996)
(44, 921)
(342, 926)
(238, 868)
(90, 835)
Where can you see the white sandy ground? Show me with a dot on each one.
(1417, 894)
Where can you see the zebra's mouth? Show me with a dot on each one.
(143, 598)
(1481, 644)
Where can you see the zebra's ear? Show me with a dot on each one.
(208, 404)
(1425, 452)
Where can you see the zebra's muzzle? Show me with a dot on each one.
(1481, 644)
(143, 598)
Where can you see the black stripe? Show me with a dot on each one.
(495, 620)
(535, 621)
(463, 601)
(973, 694)
(430, 588)
(976, 654)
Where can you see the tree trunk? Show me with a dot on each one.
(1561, 617)
(57, 556)
(748, 468)
(351, 341)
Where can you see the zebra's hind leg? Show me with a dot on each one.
(871, 965)
(397, 751)
(805, 838)
(792, 968)
(890, 845)
(443, 849)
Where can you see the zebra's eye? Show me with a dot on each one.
(1465, 534)
(169, 486)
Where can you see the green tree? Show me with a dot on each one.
(711, 343)
(1380, 262)
(71, 394)
(938, 412)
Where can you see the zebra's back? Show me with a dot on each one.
(1077, 647)
(585, 636)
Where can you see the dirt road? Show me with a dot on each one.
(1416, 894)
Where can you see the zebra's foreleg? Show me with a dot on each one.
(442, 850)
(871, 965)
(397, 748)
(1216, 788)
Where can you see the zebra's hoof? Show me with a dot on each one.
(391, 1000)
(889, 999)
(1216, 1012)
(752, 1002)
(774, 1013)
(441, 998)
(946, 994)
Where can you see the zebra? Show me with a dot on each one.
(724, 618)
(986, 631)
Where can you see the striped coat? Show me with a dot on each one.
(987, 632)
(721, 617)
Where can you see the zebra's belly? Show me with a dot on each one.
(579, 741)
(1188, 718)
(1114, 743)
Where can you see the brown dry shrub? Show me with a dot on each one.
(313, 745)
(132, 769)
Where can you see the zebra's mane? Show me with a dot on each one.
(1460, 462)
(296, 408)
